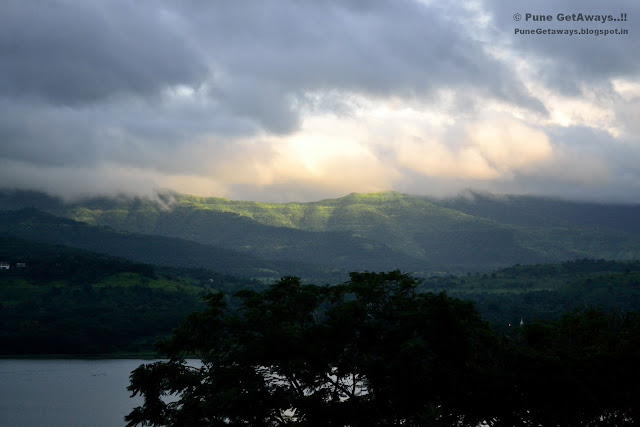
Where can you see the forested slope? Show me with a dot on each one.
(378, 231)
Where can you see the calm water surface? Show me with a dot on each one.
(66, 392)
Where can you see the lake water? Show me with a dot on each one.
(66, 392)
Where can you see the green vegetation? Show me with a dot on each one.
(416, 355)
(51, 305)
(351, 354)
(322, 241)
(529, 211)
(69, 301)
(380, 231)
(375, 352)
(545, 291)
(440, 241)
(34, 225)
(118, 315)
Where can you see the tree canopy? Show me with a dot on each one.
(375, 352)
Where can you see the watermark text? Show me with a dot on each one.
(571, 32)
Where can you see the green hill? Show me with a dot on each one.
(546, 291)
(380, 231)
(64, 300)
(530, 211)
(70, 301)
(34, 225)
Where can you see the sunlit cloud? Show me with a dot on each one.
(489, 149)
(247, 102)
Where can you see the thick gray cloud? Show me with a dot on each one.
(385, 48)
(233, 96)
(568, 63)
(70, 52)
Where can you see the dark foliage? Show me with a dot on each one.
(579, 371)
(373, 352)
(74, 302)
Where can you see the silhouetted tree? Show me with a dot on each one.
(368, 352)
(374, 352)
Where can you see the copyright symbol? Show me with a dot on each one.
(517, 17)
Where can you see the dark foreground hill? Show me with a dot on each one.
(534, 293)
(63, 300)
(34, 225)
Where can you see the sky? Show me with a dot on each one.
(305, 100)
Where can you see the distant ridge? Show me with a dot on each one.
(378, 231)
(34, 225)
(546, 211)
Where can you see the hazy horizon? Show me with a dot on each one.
(301, 102)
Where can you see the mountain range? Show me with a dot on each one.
(325, 239)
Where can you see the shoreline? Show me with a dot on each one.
(99, 356)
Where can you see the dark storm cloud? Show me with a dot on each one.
(70, 52)
(46, 136)
(378, 48)
(155, 89)
(252, 63)
(161, 137)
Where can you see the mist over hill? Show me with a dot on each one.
(467, 246)
(546, 211)
(380, 231)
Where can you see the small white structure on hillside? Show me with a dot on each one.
(4, 266)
